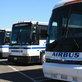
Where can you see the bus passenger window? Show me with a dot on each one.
(7, 38)
(35, 39)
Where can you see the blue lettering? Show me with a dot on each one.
(71, 54)
(76, 55)
(66, 54)
(53, 54)
(16, 51)
(60, 54)
(56, 54)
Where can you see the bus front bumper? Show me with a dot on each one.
(23, 59)
(4, 54)
(63, 72)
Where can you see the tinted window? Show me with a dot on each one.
(53, 32)
(2, 37)
(43, 31)
(75, 26)
(21, 34)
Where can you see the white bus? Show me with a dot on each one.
(4, 42)
(28, 41)
(64, 43)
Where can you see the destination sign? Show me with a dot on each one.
(17, 25)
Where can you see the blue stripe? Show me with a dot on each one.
(19, 47)
(4, 46)
(64, 62)
(38, 47)
(27, 47)
(66, 58)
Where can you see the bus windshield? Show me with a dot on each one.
(2, 37)
(21, 34)
(75, 26)
(65, 22)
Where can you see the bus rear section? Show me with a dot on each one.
(64, 44)
(4, 42)
(28, 42)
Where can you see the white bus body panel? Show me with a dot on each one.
(64, 72)
(61, 3)
(32, 50)
(67, 72)
(4, 50)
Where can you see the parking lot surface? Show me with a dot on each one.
(10, 72)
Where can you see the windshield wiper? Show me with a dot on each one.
(70, 31)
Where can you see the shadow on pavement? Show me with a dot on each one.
(20, 76)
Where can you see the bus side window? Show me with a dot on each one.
(43, 32)
(35, 40)
(7, 38)
(53, 32)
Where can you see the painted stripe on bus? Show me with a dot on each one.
(27, 47)
(63, 62)
(4, 46)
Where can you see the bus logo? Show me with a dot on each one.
(66, 54)
(17, 51)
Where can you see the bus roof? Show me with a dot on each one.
(6, 29)
(66, 2)
(34, 22)
(43, 23)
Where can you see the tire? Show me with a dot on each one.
(42, 58)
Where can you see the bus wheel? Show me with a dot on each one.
(42, 58)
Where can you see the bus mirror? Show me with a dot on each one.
(54, 24)
(34, 37)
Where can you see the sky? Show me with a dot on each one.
(12, 11)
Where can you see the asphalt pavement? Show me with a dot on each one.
(10, 72)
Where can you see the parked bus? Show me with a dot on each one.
(4, 42)
(64, 43)
(28, 41)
